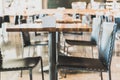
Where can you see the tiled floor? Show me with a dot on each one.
(9, 50)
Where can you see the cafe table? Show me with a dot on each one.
(52, 51)
(62, 21)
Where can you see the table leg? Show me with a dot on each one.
(52, 56)
(57, 43)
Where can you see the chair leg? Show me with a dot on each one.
(42, 69)
(67, 51)
(22, 52)
(109, 72)
(62, 73)
(22, 57)
(65, 75)
(92, 52)
(29, 52)
(21, 74)
(64, 47)
(30, 74)
(0, 75)
(101, 75)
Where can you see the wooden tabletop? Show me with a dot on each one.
(73, 11)
(62, 21)
(65, 11)
(58, 28)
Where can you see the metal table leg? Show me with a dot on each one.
(52, 56)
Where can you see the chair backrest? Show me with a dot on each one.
(7, 18)
(95, 29)
(17, 19)
(107, 43)
(1, 21)
(117, 21)
(26, 38)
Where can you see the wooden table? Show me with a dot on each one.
(72, 11)
(62, 21)
(52, 40)
(65, 11)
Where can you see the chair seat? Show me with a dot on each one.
(70, 62)
(37, 43)
(74, 33)
(18, 64)
(40, 43)
(80, 42)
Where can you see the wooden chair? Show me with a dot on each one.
(100, 64)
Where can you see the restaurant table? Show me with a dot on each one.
(52, 40)
(65, 11)
(62, 21)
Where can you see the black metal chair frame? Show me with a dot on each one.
(102, 64)
(21, 64)
(94, 38)
(26, 41)
(117, 21)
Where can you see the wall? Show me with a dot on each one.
(64, 3)
(1, 8)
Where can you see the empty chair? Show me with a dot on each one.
(117, 21)
(100, 64)
(1, 21)
(20, 64)
(27, 41)
(94, 36)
